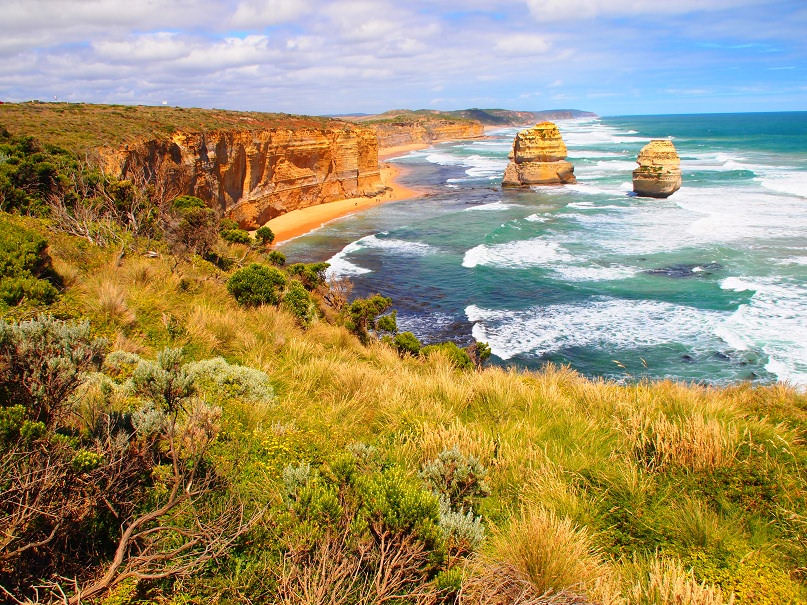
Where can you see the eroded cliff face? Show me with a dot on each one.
(398, 133)
(659, 171)
(252, 176)
(538, 158)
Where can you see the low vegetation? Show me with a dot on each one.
(194, 421)
(83, 127)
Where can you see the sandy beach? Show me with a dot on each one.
(299, 222)
(386, 153)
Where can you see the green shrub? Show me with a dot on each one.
(299, 303)
(459, 479)
(449, 583)
(276, 258)
(479, 352)
(406, 342)
(32, 430)
(11, 421)
(265, 235)
(85, 460)
(227, 224)
(256, 285)
(42, 361)
(363, 314)
(458, 358)
(218, 377)
(393, 503)
(312, 275)
(25, 267)
(166, 382)
(29, 174)
(186, 202)
(463, 531)
(13, 290)
(192, 229)
(236, 236)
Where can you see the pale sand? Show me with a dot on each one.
(385, 153)
(299, 222)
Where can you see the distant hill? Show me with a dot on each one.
(509, 117)
(488, 117)
(411, 115)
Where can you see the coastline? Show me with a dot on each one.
(299, 222)
(387, 153)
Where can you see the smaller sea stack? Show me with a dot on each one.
(538, 158)
(659, 171)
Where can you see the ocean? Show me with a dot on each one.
(708, 285)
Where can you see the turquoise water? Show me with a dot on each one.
(708, 285)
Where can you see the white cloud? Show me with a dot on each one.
(557, 10)
(321, 56)
(523, 45)
(253, 14)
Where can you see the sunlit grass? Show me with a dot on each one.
(598, 488)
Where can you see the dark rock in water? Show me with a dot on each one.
(684, 271)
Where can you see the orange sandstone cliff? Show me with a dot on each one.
(395, 133)
(255, 175)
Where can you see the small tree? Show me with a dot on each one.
(299, 303)
(185, 202)
(265, 235)
(236, 236)
(456, 356)
(363, 317)
(406, 342)
(479, 352)
(278, 259)
(227, 224)
(338, 293)
(42, 361)
(312, 275)
(256, 284)
(191, 227)
(460, 480)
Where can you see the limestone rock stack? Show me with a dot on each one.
(538, 158)
(659, 171)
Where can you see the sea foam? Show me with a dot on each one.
(516, 255)
(607, 324)
(772, 321)
(341, 266)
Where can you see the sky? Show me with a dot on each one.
(613, 57)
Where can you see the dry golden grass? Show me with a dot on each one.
(85, 127)
(555, 555)
(112, 305)
(546, 437)
(665, 582)
(692, 441)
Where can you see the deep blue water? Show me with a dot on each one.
(708, 285)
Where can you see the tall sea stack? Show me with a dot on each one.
(659, 171)
(538, 158)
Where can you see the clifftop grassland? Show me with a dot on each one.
(198, 419)
(83, 127)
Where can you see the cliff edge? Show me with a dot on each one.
(254, 176)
